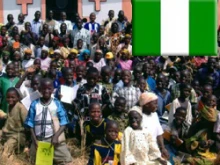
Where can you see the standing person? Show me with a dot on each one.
(37, 23)
(121, 21)
(40, 120)
(148, 103)
(10, 23)
(52, 23)
(6, 82)
(80, 33)
(108, 22)
(21, 22)
(13, 133)
(138, 145)
(63, 19)
(92, 26)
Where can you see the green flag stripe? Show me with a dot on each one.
(203, 27)
(146, 36)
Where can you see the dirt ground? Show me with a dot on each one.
(23, 159)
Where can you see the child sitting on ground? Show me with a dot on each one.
(108, 150)
(47, 131)
(138, 146)
(13, 133)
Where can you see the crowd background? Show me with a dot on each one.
(136, 109)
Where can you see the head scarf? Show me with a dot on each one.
(126, 51)
(57, 51)
(109, 55)
(16, 45)
(208, 113)
(136, 109)
(7, 53)
(28, 51)
(74, 51)
(146, 98)
(45, 48)
(81, 56)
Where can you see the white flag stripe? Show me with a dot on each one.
(174, 27)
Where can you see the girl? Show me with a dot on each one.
(138, 146)
(27, 61)
(13, 132)
(72, 57)
(84, 57)
(98, 61)
(125, 63)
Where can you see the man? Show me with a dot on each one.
(64, 20)
(20, 23)
(80, 33)
(108, 22)
(92, 26)
(36, 24)
(52, 23)
(121, 21)
(10, 23)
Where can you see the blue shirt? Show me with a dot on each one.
(151, 83)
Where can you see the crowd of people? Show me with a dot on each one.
(136, 110)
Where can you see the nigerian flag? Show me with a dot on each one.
(175, 27)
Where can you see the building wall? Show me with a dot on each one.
(11, 7)
(85, 7)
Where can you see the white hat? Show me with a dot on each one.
(45, 48)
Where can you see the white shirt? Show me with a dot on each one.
(151, 122)
(27, 63)
(68, 25)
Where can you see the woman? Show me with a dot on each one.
(84, 57)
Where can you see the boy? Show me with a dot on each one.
(120, 114)
(40, 121)
(91, 92)
(128, 91)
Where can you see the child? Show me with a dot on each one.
(45, 60)
(117, 79)
(9, 80)
(13, 133)
(106, 74)
(178, 131)
(108, 150)
(80, 71)
(72, 57)
(151, 83)
(109, 59)
(57, 58)
(142, 85)
(84, 57)
(138, 146)
(98, 61)
(41, 116)
(125, 63)
(182, 101)
(95, 127)
(120, 114)
(91, 92)
(27, 61)
(137, 74)
(128, 91)
(5, 60)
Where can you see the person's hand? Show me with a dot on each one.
(163, 162)
(54, 140)
(165, 153)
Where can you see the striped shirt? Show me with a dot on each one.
(40, 117)
(92, 27)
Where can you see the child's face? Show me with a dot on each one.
(137, 73)
(185, 92)
(12, 98)
(117, 75)
(210, 80)
(185, 77)
(86, 56)
(95, 113)
(57, 56)
(180, 117)
(69, 76)
(196, 85)
(98, 56)
(106, 75)
(92, 78)
(72, 65)
(79, 72)
(27, 56)
(46, 90)
(44, 54)
(207, 92)
(53, 65)
(177, 77)
(37, 64)
(10, 70)
(119, 106)
(5, 57)
(142, 85)
(135, 120)
(111, 132)
(17, 38)
(124, 56)
(17, 72)
(126, 77)
(72, 56)
(35, 84)
(211, 102)
(79, 44)
(17, 56)
(159, 83)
